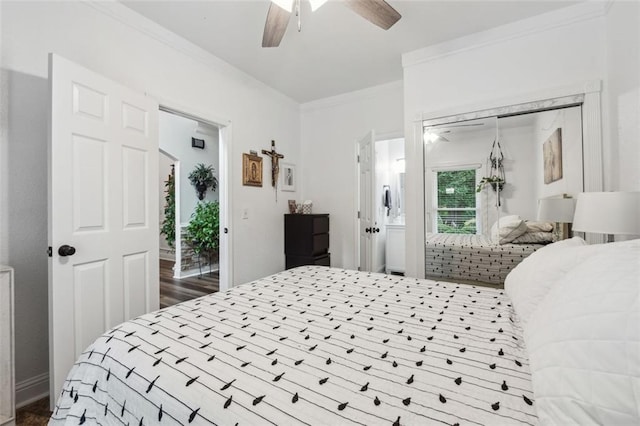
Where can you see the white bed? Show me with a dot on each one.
(317, 345)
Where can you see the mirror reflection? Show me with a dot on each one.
(479, 171)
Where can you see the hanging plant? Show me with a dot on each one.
(202, 178)
(168, 228)
(494, 181)
(203, 231)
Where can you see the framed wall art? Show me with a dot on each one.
(552, 154)
(288, 172)
(251, 170)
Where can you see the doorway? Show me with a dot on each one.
(381, 195)
(194, 257)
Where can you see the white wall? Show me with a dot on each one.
(330, 129)
(104, 37)
(561, 49)
(623, 104)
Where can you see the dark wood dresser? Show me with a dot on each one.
(306, 240)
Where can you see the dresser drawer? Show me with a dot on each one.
(306, 234)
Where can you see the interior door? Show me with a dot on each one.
(103, 215)
(366, 160)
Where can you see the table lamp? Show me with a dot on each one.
(558, 210)
(611, 213)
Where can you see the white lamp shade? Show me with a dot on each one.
(556, 209)
(608, 213)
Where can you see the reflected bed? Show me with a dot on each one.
(472, 258)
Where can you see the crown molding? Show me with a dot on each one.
(538, 24)
(355, 96)
(119, 12)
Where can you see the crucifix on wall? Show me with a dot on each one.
(275, 168)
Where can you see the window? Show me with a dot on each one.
(456, 201)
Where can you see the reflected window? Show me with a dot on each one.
(456, 209)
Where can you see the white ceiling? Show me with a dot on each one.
(337, 51)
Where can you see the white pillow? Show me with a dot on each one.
(584, 342)
(534, 238)
(529, 282)
(511, 227)
(502, 221)
(533, 226)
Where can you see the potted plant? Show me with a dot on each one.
(169, 222)
(201, 177)
(203, 231)
(496, 183)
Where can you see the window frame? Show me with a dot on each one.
(435, 209)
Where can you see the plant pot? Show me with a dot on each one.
(497, 185)
(202, 190)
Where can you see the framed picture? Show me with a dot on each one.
(552, 154)
(288, 172)
(251, 170)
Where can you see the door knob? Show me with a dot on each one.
(377, 230)
(367, 230)
(66, 250)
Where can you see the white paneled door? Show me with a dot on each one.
(103, 210)
(366, 180)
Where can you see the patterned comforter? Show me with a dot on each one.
(472, 257)
(311, 345)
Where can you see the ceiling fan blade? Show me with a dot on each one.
(378, 12)
(275, 26)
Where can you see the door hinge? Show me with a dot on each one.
(358, 158)
(226, 230)
(50, 252)
(358, 214)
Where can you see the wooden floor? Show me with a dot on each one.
(35, 414)
(172, 291)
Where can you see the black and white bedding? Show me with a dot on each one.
(311, 345)
(470, 257)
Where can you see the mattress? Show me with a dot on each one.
(470, 257)
(311, 345)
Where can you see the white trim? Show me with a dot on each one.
(444, 167)
(582, 88)
(354, 96)
(225, 197)
(536, 24)
(32, 389)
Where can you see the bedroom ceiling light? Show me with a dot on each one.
(315, 4)
(431, 137)
(378, 12)
(609, 213)
(284, 4)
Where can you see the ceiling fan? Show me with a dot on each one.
(378, 12)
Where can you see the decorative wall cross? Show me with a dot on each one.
(275, 168)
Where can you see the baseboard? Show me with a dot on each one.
(194, 272)
(32, 389)
(167, 254)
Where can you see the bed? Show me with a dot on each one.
(472, 258)
(481, 258)
(317, 345)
